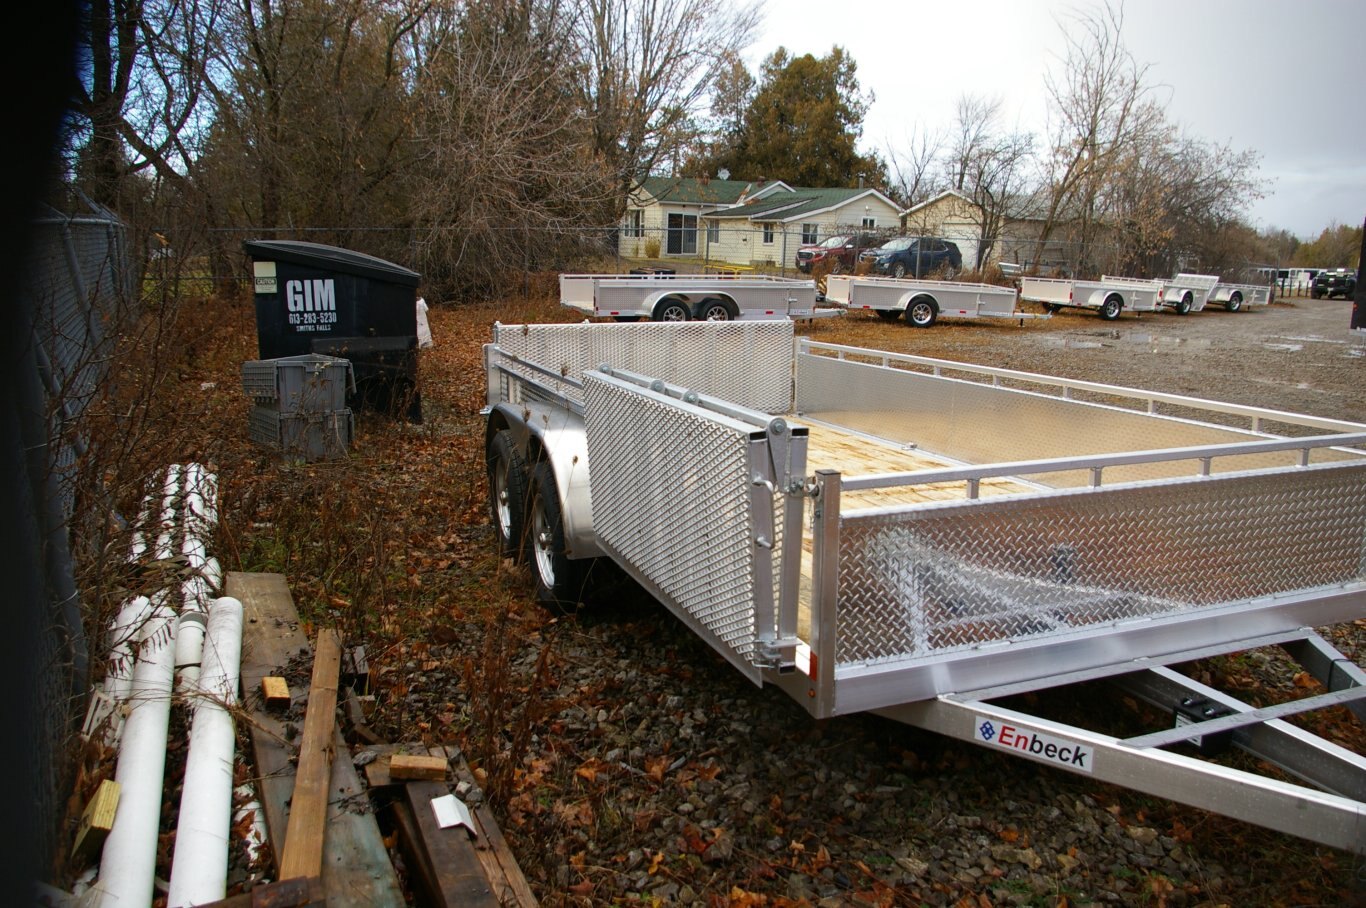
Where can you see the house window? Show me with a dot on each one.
(768, 233)
(682, 235)
(869, 223)
(810, 234)
(635, 223)
(713, 232)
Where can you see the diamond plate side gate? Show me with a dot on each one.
(685, 500)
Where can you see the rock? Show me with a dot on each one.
(1144, 835)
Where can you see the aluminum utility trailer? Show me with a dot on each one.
(922, 539)
(686, 297)
(1234, 297)
(1109, 296)
(922, 302)
(1187, 293)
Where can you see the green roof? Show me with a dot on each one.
(785, 206)
(692, 191)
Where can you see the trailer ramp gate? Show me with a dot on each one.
(694, 504)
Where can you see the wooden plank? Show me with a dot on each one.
(96, 822)
(357, 872)
(303, 851)
(297, 893)
(417, 767)
(501, 869)
(458, 876)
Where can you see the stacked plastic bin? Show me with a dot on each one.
(299, 404)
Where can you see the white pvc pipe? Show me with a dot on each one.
(105, 713)
(201, 498)
(166, 526)
(128, 864)
(190, 630)
(138, 546)
(199, 869)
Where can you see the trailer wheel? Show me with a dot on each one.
(1112, 306)
(1183, 306)
(559, 579)
(890, 315)
(1235, 302)
(507, 493)
(921, 313)
(715, 310)
(671, 310)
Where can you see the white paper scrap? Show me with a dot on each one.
(451, 811)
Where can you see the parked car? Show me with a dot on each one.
(1338, 282)
(916, 256)
(840, 252)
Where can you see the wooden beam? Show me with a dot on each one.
(357, 871)
(417, 766)
(303, 851)
(298, 893)
(457, 876)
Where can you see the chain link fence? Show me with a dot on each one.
(78, 270)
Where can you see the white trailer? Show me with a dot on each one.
(1234, 297)
(687, 297)
(918, 538)
(1187, 293)
(922, 302)
(1109, 296)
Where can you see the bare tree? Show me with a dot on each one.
(909, 171)
(506, 173)
(1100, 105)
(647, 67)
(988, 165)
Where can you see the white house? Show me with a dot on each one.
(744, 223)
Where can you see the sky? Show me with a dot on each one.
(1280, 77)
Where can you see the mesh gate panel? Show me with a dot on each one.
(938, 578)
(671, 496)
(747, 363)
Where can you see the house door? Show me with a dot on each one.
(682, 234)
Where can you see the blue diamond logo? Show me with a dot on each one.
(988, 731)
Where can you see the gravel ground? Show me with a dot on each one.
(654, 773)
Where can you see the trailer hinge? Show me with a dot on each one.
(780, 655)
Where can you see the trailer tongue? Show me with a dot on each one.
(874, 532)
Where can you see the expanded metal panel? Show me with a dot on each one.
(981, 424)
(928, 580)
(746, 363)
(671, 497)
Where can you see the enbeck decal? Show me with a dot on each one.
(1073, 755)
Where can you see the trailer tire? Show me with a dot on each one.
(1235, 302)
(922, 312)
(716, 310)
(507, 475)
(890, 315)
(1183, 305)
(1110, 309)
(559, 579)
(671, 310)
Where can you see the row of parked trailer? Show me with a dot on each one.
(921, 302)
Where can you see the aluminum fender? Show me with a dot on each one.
(559, 436)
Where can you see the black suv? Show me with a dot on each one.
(1338, 282)
(916, 256)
